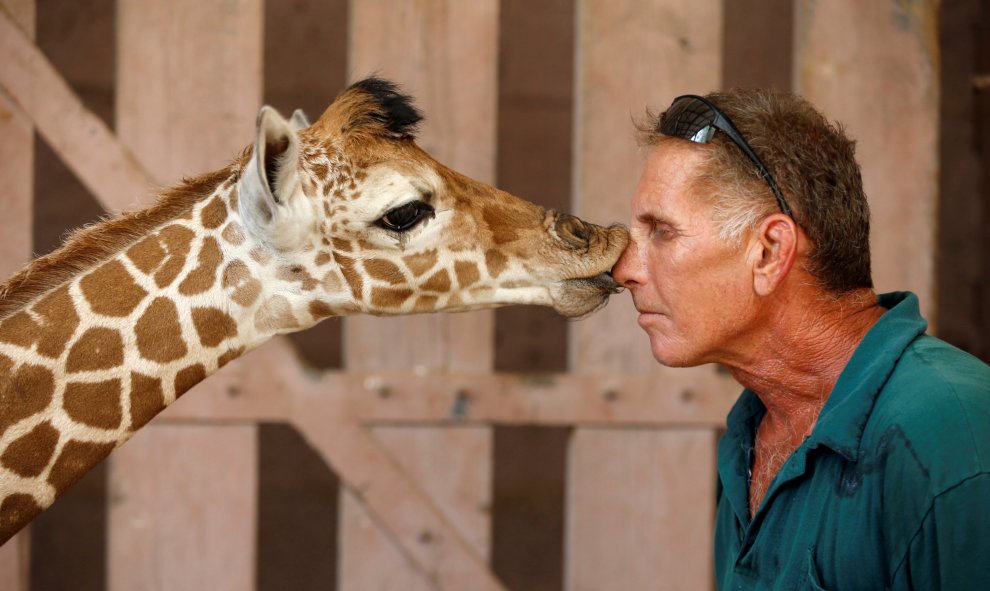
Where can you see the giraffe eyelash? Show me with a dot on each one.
(406, 216)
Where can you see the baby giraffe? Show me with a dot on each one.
(344, 216)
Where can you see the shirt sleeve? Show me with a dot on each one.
(951, 548)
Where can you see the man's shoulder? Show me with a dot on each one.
(932, 417)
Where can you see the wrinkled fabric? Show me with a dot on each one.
(891, 490)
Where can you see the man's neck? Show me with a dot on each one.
(807, 343)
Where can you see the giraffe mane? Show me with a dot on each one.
(372, 107)
(93, 244)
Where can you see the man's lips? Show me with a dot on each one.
(645, 316)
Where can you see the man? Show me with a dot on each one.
(858, 455)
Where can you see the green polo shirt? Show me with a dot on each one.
(892, 488)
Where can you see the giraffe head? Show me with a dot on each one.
(370, 223)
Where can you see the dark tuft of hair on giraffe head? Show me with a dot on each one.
(395, 111)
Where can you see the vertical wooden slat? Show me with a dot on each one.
(189, 82)
(874, 67)
(183, 504)
(16, 163)
(444, 54)
(628, 532)
(16, 176)
(188, 91)
(633, 519)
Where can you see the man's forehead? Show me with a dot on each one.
(667, 185)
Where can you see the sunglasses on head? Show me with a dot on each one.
(695, 119)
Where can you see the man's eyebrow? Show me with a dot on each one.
(652, 218)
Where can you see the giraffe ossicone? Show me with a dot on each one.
(343, 216)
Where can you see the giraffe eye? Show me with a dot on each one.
(406, 216)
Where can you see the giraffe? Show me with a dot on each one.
(343, 216)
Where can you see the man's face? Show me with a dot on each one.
(693, 290)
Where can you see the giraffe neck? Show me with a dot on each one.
(88, 363)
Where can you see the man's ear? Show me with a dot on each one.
(774, 250)
(271, 180)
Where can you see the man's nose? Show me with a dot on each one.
(628, 268)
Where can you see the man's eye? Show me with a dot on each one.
(661, 231)
(406, 216)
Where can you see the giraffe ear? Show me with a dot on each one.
(299, 120)
(270, 182)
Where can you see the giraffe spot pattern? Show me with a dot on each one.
(204, 276)
(496, 262)
(422, 262)
(188, 377)
(97, 348)
(384, 298)
(57, 321)
(260, 256)
(320, 309)
(24, 392)
(237, 277)
(229, 356)
(439, 281)
(351, 276)
(77, 458)
(147, 399)
(275, 314)
(164, 254)
(467, 273)
(159, 335)
(17, 509)
(96, 404)
(384, 270)
(233, 234)
(503, 223)
(425, 303)
(342, 245)
(295, 273)
(213, 326)
(214, 214)
(111, 291)
(29, 454)
(322, 258)
(19, 329)
(59, 317)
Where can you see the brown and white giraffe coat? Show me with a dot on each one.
(344, 216)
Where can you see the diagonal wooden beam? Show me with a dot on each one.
(269, 384)
(406, 514)
(88, 147)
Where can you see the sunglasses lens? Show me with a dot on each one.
(689, 119)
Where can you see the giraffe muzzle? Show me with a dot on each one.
(574, 232)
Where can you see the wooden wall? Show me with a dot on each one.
(505, 449)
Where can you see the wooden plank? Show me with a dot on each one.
(188, 92)
(182, 509)
(437, 555)
(17, 178)
(104, 165)
(262, 386)
(189, 82)
(15, 562)
(645, 513)
(444, 54)
(444, 464)
(874, 67)
(666, 48)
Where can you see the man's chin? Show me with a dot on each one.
(672, 358)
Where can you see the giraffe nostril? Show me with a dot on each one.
(573, 231)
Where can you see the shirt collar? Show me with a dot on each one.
(843, 418)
